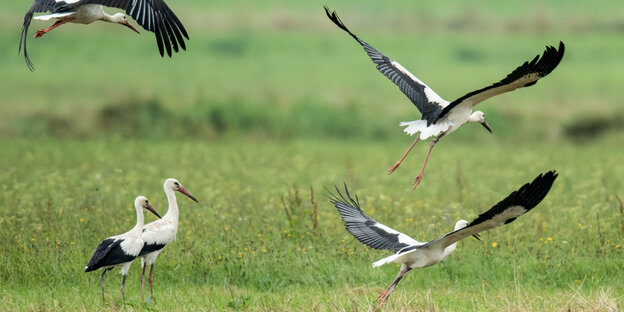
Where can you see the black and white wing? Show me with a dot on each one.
(154, 16)
(368, 231)
(149, 248)
(424, 98)
(506, 211)
(37, 6)
(108, 252)
(525, 75)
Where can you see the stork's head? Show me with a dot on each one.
(120, 18)
(462, 224)
(142, 202)
(458, 226)
(479, 117)
(176, 186)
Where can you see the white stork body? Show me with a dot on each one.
(84, 14)
(424, 257)
(160, 233)
(439, 116)
(411, 253)
(120, 250)
(153, 15)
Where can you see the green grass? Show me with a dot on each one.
(239, 248)
(269, 95)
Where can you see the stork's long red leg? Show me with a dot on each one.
(407, 152)
(151, 279)
(143, 282)
(102, 284)
(123, 288)
(58, 23)
(420, 175)
(386, 294)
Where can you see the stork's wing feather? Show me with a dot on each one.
(506, 211)
(525, 75)
(149, 248)
(36, 7)
(364, 228)
(108, 249)
(424, 98)
(154, 16)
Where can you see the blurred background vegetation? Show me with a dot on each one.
(281, 69)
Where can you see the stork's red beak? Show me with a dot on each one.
(127, 24)
(185, 192)
(485, 124)
(149, 207)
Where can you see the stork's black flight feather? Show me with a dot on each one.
(108, 252)
(364, 228)
(36, 7)
(525, 75)
(506, 211)
(423, 97)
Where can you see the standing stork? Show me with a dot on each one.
(441, 117)
(159, 233)
(411, 253)
(153, 15)
(120, 250)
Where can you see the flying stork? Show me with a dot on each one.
(153, 15)
(411, 253)
(120, 250)
(441, 117)
(159, 233)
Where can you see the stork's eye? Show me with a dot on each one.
(177, 184)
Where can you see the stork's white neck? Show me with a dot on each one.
(140, 220)
(109, 18)
(172, 213)
(448, 250)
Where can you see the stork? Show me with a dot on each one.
(411, 253)
(441, 117)
(120, 250)
(153, 15)
(159, 233)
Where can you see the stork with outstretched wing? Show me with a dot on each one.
(441, 117)
(411, 253)
(153, 15)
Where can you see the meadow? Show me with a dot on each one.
(270, 105)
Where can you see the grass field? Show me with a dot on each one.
(238, 249)
(271, 101)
